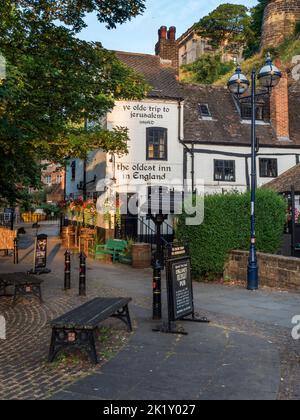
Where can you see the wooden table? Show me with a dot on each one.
(24, 285)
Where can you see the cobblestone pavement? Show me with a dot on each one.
(24, 371)
(25, 374)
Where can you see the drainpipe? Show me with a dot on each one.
(186, 148)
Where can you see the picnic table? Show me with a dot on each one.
(77, 328)
(24, 285)
(114, 247)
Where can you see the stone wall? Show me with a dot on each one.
(274, 270)
(279, 21)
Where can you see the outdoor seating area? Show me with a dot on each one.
(79, 238)
(84, 240)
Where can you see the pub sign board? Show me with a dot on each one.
(179, 283)
(40, 255)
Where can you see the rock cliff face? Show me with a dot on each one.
(279, 21)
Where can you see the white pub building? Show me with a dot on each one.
(198, 134)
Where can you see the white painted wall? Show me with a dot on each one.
(134, 169)
(204, 165)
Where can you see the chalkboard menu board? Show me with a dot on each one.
(40, 255)
(180, 288)
(41, 252)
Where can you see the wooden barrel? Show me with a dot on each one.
(68, 237)
(141, 256)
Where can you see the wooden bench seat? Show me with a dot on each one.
(76, 329)
(24, 285)
(113, 247)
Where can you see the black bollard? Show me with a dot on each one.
(67, 270)
(16, 252)
(82, 274)
(156, 290)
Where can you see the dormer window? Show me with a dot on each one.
(262, 111)
(204, 111)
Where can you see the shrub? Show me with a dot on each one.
(226, 227)
(207, 69)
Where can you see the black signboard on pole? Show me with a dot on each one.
(40, 255)
(179, 290)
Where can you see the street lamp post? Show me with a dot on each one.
(269, 76)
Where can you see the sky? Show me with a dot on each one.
(140, 34)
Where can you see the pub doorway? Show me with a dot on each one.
(127, 224)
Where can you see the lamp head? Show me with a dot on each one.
(238, 84)
(269, 76)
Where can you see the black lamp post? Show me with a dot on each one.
(269, 76)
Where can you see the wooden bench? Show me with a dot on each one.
(76, 329)
(113, 247)
(24, 285)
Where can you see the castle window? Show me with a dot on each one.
(224, 170)
(157, 143)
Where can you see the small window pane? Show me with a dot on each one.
(204, 110)
(224, 170)
(157, 139)
(268, 168)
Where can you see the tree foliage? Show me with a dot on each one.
(257, 16)
(54, 82)
(207, 69)
(230, 22)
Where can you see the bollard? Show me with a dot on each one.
(16, 252)
(67, 285)
(156, 291)
(82, 274)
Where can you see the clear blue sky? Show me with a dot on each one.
(140, 35)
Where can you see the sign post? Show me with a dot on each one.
(179, 290)
(40, 256)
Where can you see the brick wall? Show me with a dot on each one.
(280, 109)
(167, 47)
(279, 21)
(274, 270)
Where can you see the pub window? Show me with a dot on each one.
(73, 170)
(268, 168)
(262, 113)
(204, 111)
(224, 170)
(157, 143)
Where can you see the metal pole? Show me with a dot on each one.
(253, 281)
(157, 310)
(67, 285)
(193, 168)
(82, 275)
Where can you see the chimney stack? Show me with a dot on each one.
(162, 33)
(280, 108)
(166, 46)
(172, 33)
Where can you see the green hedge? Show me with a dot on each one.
(227, 226)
